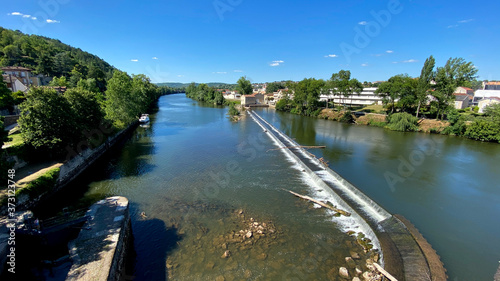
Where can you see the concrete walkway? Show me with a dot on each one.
(98, 252)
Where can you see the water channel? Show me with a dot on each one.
(198, 179)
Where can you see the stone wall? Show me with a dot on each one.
(100, 250)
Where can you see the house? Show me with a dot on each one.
(233, 95)
(253, 99)
(464, 90)
(482, 94)
(461, 101)
(487, 102)
(494, 85)
(19, 78)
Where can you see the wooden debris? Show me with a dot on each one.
(342, 212)
(385, 273)
(298, 146)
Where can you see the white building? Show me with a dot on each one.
(366, 97)
(482, 94)
(482, 104)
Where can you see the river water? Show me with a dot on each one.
(201, 182)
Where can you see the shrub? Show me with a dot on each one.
(484, 130)
(41, 185)
(403, 122)
(347, 117)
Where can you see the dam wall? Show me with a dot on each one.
(405, 252)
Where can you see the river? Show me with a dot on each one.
(199, 179)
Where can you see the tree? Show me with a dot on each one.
(274, 87)
(399, 87)
(6, 98)
(85, 105)
(59, 82)
(119, 105)
(306, 95)
(457, 72)
(48, 121)
(244, 86)
(341, 84)
(424, 82)
(403, 122)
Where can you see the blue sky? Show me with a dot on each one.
(222, 40)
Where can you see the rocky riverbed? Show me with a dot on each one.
(220, 242)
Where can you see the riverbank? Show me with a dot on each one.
(380, 120)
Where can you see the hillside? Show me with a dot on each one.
(50, 57)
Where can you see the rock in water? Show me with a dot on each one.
(226, 254)
(343, 272)
(249, 234)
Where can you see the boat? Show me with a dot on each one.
(144, 118)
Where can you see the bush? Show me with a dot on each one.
(372, 122)
(41, 185)
(403, 122)
(232, 110)
(347, 117)
(484, 130)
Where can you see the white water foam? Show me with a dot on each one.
(352, 223)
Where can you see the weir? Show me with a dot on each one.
(406, 254)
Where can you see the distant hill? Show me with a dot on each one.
(49, 56)
(218, 85)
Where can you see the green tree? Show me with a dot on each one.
(119, 105)
(85, 105)
(457, 72)
(59, 82)
(306, 95)
(274, 87)
(424, 82)
(244, 86)
(341, 84)
(48, 121)
(403, 122)
(6, 98)
(400, 87)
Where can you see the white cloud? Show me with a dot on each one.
(180, 75)
(237, 70)
(364, 64)
(363, 23)
(52, 21)
(220, 72)
(22, 15)
(452, 26)
(465, 21)
(155, 58)
(389, 51)
(134, 60)
(276, 62)
(331, 56)
(409, 61)
(394, 62)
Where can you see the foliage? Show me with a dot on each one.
(127, 98)
(424, 82)
(305, 97)
(59, 82)
(244, 86)
(50, 57)
(457, 72)
(399, 87)
(457, 123)
(232, 110)
(203, 92)
(41, 185)
(48, 121)
(403, 122)
(85, 105)
(341, 84)
(6, 98)
(484, 130)
(493, 111)
(347, 117)
(274, 87)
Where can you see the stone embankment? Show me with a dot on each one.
(406, 254)
(100, 250)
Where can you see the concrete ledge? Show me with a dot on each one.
(100, 249)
